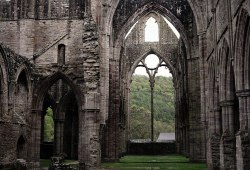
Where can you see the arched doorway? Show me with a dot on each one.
(21, 148)
(60, 122)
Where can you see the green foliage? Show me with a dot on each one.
(49, 126)
(140, 107)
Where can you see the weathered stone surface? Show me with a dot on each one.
(87, 82)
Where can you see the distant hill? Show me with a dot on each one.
(164, 107)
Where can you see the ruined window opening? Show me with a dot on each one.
(144, 97)
(48, 135)
(22, 81)
(61, 54)
(151, 30)
(20, 148)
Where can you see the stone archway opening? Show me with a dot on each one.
(151, 99)
(60, 122)
(177, 52)
(155, 123)
(21, 144)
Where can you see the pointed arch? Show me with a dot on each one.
(159, 55)
(144, 11)
(200, 19)
(21, 148)
(48, 82)
(242, 51)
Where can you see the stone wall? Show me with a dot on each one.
(209, 62)
(223, 113)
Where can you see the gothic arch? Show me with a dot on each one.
(144, 11)
(21, 147)
(242, 51)
(159, 55)
(58, 116)
(195, 6)
(48, 82)
(23, 69)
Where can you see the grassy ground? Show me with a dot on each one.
(154, 163)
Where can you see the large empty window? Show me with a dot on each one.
(152, 85)
(151, 30)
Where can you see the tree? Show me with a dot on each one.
(49, 126)
(164, 104)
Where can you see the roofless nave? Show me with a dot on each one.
(72, 55)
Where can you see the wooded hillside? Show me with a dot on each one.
(140, 108)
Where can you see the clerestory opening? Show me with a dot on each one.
(151, 30)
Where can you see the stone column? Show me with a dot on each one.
(243, 136)
(203, 89)
(215, 131)
(61, 124)
(227, 143)
(59, 129)
(1, 105)
(34, 149)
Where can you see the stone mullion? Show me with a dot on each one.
(57, 138)
(177, 123)
(42, 127)
(126, 107)
(61, 135)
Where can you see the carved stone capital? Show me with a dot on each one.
(227, 103)
(243, 93)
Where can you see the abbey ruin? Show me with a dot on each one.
(77, 57)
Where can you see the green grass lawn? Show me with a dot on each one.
(174, 162)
